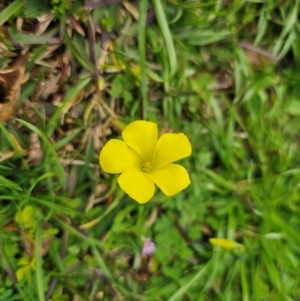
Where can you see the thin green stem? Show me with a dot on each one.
(142, 54)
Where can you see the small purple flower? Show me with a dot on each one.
(148, 247)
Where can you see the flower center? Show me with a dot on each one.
(147, 166)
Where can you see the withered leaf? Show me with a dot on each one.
(35, 153)
(10, 87)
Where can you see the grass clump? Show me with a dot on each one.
(225, 74)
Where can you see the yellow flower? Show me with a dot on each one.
(144, 160)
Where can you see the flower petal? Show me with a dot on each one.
(170, 148)
(142, 136)
(137, 184)
(171, 179)
(115, 157)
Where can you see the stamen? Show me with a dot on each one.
(147, 167)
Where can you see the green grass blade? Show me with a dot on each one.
(178, 294)
(244, 282)
(162, 21)
(50, 154)
(9, 11)
(79, 56)
(39, 265)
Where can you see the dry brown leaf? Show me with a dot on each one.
(132, 9)
(73, 23)
(6, 156)
(258, 56)
(4, 52)
(47, 87)
(35, 153)
(48, 59)
(44, 22)
(10, 87)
